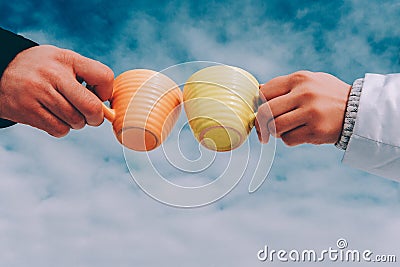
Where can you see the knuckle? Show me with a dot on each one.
(108, 74)
(299, 76)
(53, 52)
(34, 83)
(77, 121)
(314, 112)
(94, 107)
(65, 56)
(50, 47)
(49, 71)
(306, 94)
(288, 141)
(59, 130)
(93, 112)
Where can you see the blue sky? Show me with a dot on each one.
(72, 202)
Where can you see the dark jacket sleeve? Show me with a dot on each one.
(10, 45)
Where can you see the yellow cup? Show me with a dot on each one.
(145, 107)
(220, 103)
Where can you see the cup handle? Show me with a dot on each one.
(109, 113)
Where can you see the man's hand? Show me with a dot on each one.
(40, 88)
(306, 107)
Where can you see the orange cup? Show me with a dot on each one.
(145, 107)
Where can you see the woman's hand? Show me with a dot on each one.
(303, 107)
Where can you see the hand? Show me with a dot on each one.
(40, 88)
(303, 107)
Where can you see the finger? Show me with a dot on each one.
(60, 107)
(275, 87)
(297, 136)
(87, 103)
(95, 73)
(261, 122)
(287, 122)
(46, 121)
(263, 139)
(282, 104)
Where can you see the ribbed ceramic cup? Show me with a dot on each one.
(145, 107)
(220, 103)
